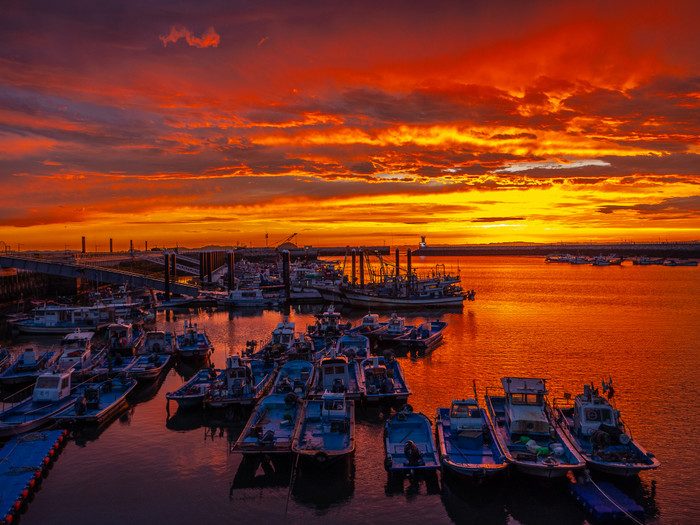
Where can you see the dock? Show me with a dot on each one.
(605, 502)
(23, 460)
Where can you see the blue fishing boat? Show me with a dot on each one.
(112, 365)
(409, 445)
(97, 402)
(243, 382)
(193, 342)
(384, 380)
(395, 327)
(52, 393)
(466, 442)
(193, 392)
(353, 346)
(148, 367)
(294, 376)
(594, 427)
(27, 366)
(369, 325)
(423, 338)
(338, 374)
(325, 431)
(525, 429)
(270, 427)
(278, 346)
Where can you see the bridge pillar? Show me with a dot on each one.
(285, 274)
(409, 277)
(354, 278)
(362, 269)
(166, 255)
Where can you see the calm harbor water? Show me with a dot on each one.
(569, 324)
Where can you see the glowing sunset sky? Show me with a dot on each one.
(346, 122)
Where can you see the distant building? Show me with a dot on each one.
(422, 242)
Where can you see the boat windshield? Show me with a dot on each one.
(526, 399)
(465, 411)
(602, 415)
(47, 382)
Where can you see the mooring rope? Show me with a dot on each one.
(635, 520)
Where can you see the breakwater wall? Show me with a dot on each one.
(688, 250)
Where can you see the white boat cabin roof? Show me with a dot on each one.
(52, 386)
(523, 385)
(78, 336)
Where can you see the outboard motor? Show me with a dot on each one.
(412, 453)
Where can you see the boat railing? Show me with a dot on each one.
(18, 396)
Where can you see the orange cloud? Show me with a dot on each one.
(208, 39)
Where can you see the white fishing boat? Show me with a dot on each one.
(325, 431)
(242, 297)
(594, 426)
(63, 319)
(337, 373)
(123, 338)
(79, 356)
(52, 393)
(243, 382)
(526, 431)
(157, 341)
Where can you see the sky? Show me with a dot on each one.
(234, 122)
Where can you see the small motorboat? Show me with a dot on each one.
(294, 376)
(353, 346)
(193, 392)
(525, 429)
(466, 442)
(594, 427)
(27, 366)
(423, 338)
(149, 367)
(113, 364)
(79, 355)
(193, 343)
(270, 427)
(97, 402)
(325, 431)
(242, 382)
(408, 443)
(384, 380)
(52, 393)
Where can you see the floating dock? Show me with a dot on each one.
(23, 460)
(605, 502)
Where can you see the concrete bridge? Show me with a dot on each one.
(92, 272)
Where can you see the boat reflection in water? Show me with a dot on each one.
(324, 488)
(262, 471)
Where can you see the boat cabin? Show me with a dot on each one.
(328, 322)
(238, 376)
(121, 335)
(334, 374)
(77, 349)
(396, 325)
(51, 387)
(591, 411)
(333, 411)
(283, 334)
(370, 322)
(29, 360)
(525, 405)
(466, 423)
(157, 341)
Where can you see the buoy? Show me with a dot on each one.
(16, 505)
(8, 519)
(25, 493)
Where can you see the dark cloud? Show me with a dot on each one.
(684, 206)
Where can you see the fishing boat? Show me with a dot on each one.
(353, 346)
(27, 366)
(97, 402)
(280, 343)
(368, 326)
(157, 341)
(466, 442)
(327, 324)
(52, 393)
(526, 431)
(79, 356)
(325, 431)
(384, 380)
(409, 445)
(149, 367)
(193, 342)
(243, 382)
(122, 338)
(680, 262)
(244, 297)
(193, 392)
(294, 376)
(423, 338)
(395, 327)
(112, 365)
(337, 373)
(594, 427)
(270, 427)
(51, 318)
